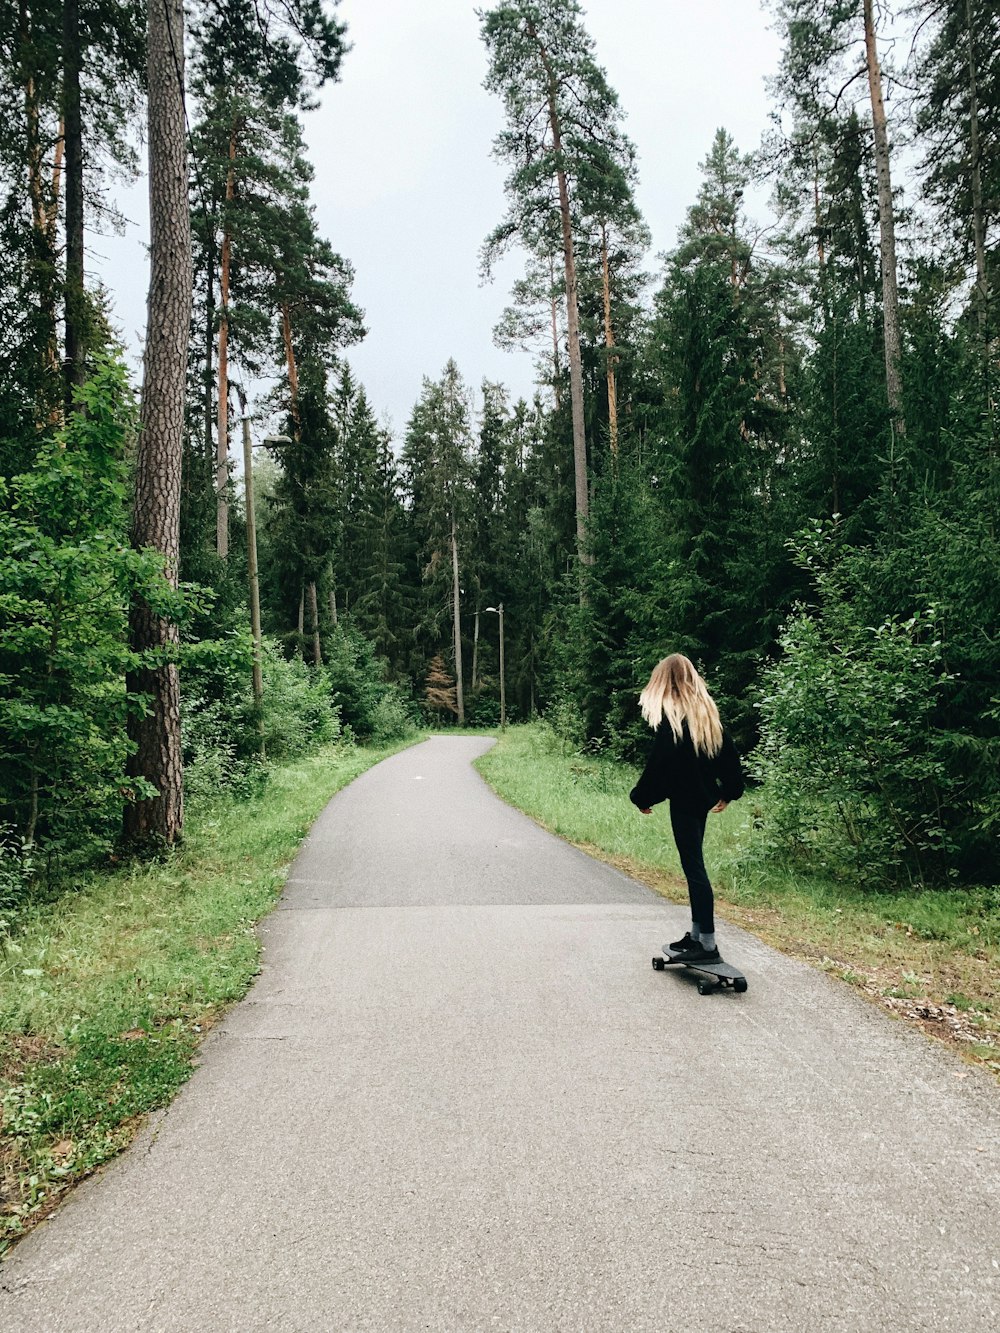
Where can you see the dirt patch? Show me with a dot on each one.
(18, 1052)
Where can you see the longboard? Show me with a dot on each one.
(723, 974)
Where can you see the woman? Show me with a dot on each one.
(693, 765)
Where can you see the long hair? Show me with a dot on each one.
(676, 692)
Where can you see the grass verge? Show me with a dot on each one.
(931, 957)
(106, 993)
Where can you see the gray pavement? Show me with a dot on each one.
(460, 1098)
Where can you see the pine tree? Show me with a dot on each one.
(253, 70)
(958, 120)
(70, 83)
(156, 513)
(542, 57)
(830, 45)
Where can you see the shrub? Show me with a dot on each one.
(851, 749)
(483, 710)
(220, 728)
(565, 720)
(368, 704)
(391, 720)
(67, 573)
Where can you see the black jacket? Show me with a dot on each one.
(674, 771)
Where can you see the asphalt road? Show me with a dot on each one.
(460, 1098)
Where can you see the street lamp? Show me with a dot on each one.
(498, 611)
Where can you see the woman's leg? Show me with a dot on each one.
(688, 827)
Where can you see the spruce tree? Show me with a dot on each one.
(436, 462)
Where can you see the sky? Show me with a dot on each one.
(406, 187)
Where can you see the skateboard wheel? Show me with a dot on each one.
(659, 964)
(739, 984)
(705, 988)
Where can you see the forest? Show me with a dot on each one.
(773, 448)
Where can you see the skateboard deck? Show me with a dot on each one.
(723, 974)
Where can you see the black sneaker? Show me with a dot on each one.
(680, 946)
(697, 953)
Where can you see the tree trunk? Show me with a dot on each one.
(314, 617)
(293, 371)
(975, 158)
(555, 335)
(57, 174)
(475, 654)
(456, 618)
(75, 309)
(43, 218)
(222, 438)
(820, 248)
(208, 383)
(572, 309)
(333, 597)
(301, 621)
(253, 580)
(156, 514)
(887, 227)
(609, 343)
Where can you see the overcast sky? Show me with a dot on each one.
(406, 187)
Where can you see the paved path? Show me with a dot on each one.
(460, 1098)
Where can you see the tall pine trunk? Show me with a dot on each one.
(572, 307)
(333, 595)
(887, 227)
(208, 383)
(976, 181)
(609, 343)
(43, 218)
(293, 371)
(314, 616)
(75, 307)
(156, 514)
(222, 440)
(457, 625)
(555, 335)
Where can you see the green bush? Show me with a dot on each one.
(851, 746)
(299, 714)
(67, 574)
(391, 720)
(221, 731)
(482, 710)
(565, 720)
(369, 705)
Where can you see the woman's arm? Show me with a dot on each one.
(654, 785)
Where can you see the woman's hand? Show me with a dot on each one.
(718, 809)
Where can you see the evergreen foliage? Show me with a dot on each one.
(66, 576)
(720, 465)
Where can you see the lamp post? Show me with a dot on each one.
(498, 611)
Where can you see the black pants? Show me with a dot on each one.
(688, 825)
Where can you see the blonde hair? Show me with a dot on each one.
(676, 692)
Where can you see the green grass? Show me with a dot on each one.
(106, 992)
(931, 956)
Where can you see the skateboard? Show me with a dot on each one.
(724, 974)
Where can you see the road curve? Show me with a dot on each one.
(460, 1098)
